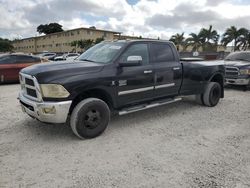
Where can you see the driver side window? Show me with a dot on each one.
(136, 50)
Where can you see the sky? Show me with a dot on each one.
(146, 18)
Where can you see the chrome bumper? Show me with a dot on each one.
(237, 81)
(49, 112)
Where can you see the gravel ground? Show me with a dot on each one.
(179, 145)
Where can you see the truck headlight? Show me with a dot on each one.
(54, 91)
(245, 71)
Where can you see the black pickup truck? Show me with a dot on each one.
(237, 69)
(117, 77)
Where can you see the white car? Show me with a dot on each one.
(68, 56)
(47, 55)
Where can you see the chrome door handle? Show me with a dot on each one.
(148, 71)
(176, 68)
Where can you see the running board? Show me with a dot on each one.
(147, 106)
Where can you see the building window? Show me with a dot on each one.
(88, 32)
(78, 32)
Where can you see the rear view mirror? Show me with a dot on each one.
(132, 61)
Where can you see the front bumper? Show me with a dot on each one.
(238, 81)
(49, 112)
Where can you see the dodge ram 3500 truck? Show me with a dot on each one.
(117, 77)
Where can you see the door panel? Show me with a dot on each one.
(167, 78)
(135, 83)
(7, 69)
(168, 70)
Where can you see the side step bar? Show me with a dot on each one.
(147, 106)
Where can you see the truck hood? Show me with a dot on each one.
(237, 63)
(49, 72)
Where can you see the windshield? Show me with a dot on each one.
(101, 53)
(242, 56)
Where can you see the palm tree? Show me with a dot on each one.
(244, 43)
(195, 40)
(75, 45)
(234, 35)
(178, 40)
(83, 44)
(210, 38)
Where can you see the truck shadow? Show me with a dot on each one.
(55, 132)
(46, 131)
(236, 87)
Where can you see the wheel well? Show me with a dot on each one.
(219, 79)
(95, 93)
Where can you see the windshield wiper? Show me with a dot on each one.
(241, 59)
(86, 60)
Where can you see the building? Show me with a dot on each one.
(61, 41)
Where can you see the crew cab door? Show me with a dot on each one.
(134, 83)
(167, 69)
(7, 68)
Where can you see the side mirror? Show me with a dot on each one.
(132, 61)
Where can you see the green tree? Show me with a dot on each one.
(210, 38)
(244, 43)
(178, 40)
(234, 35)
(74, 44)
(5, 45)
(83, 44)
(49, 28)
(98, 40)
(195, 40)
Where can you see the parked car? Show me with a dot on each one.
(118, 77)
(11, 64)
(238, 68)
(68, 56)
(47, 55)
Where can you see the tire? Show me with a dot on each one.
(246, 87)
(212, 94)
(90, 118)
(199, 99)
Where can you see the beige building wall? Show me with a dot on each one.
(61, 41)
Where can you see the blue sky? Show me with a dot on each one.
(132, 2)
(148, 18)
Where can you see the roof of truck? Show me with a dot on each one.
(143, 40)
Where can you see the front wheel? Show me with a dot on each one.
(212, 94)
(90, 118)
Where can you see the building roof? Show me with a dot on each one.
(80, 28)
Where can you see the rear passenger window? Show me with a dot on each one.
(161, 53)
(24, 59)
(9, 59)
(136, 50)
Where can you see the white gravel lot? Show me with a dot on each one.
(179, 145)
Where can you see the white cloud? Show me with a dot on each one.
(147, 18)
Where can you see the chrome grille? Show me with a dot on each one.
(30, 87)
(232, 72)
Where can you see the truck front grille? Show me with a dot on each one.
(30, 87)
(29, 82)
(232, 72)
(31, 92)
